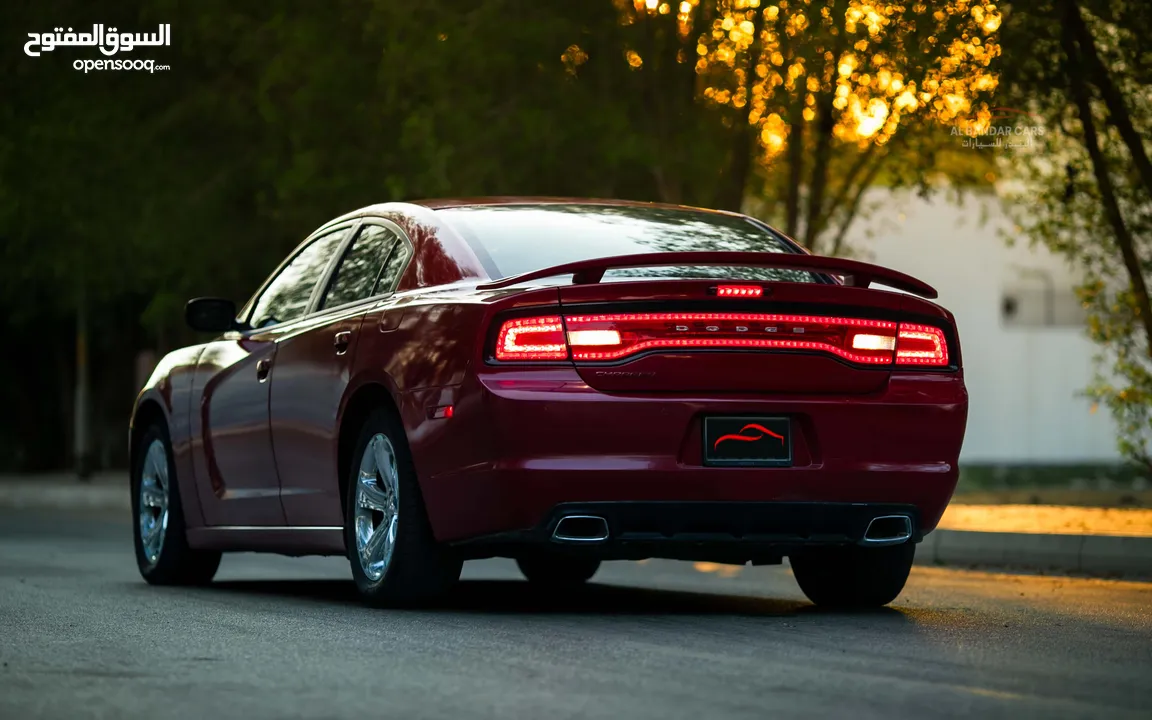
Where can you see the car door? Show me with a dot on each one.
(312, 372)
(234, 463)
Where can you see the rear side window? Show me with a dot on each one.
(393, 268)
(286, 297)
(515, 239)
(357, 274)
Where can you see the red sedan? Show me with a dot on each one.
(561, 382)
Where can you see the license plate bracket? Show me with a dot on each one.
(748, 441)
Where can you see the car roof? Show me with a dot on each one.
(444, 203)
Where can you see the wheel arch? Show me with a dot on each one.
(360, 404)
(148, 412)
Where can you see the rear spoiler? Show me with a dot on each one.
(862, 274)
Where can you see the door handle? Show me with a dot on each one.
(341, 341)
(262, 367)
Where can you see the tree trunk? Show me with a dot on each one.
(81, 431)
(825, 124)
(1120, 230)
(854, 205)
(1117, 108)
(795, 170)
(848, 183)
(818, 214)
(744, 140)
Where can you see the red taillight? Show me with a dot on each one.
(870, 342)
(921, 345)
(536, 338)
(610, 337)
(739, 291)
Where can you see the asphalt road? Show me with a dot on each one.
(82, 636)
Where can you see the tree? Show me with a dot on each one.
(122, 194)
(1085, 68)
(805, 104)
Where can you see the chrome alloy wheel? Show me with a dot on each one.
(153, 510)
(377, 507)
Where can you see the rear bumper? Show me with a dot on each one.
(521, 444)
(737, 532)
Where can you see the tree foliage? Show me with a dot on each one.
(803, 105)
(125, 193)
(1085, 68)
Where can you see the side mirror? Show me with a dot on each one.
(214, 315)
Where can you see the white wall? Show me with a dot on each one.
(1022, 381)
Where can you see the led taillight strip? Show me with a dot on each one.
(552, 337)
(752, 323)
(768, 344)
(745, 317)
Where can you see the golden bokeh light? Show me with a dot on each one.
(573, 58)
(876, 64)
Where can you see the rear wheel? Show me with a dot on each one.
(557, 570)
(854, 576)
(159, 530)
(395, 559)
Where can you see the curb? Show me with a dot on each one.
(1093, 554)
(32, 495)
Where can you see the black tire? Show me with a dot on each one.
(420, 569)
(557, 571)
(853, 577)
(177, 563)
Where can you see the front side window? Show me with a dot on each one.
(286, 297)
(515, 239)
(356, 275)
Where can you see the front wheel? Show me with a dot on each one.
(395, 559)
(555, 571)
(162, 551)
(853, 577)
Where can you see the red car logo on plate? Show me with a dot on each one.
(762, 432)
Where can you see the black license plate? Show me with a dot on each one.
(748, 441)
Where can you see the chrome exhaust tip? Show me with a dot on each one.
(581, 529)
(887, 530)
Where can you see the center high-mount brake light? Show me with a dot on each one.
(619, 336)
(739, 291)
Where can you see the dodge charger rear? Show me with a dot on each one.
(694, 386)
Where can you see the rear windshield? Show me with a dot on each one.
(515, 239)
